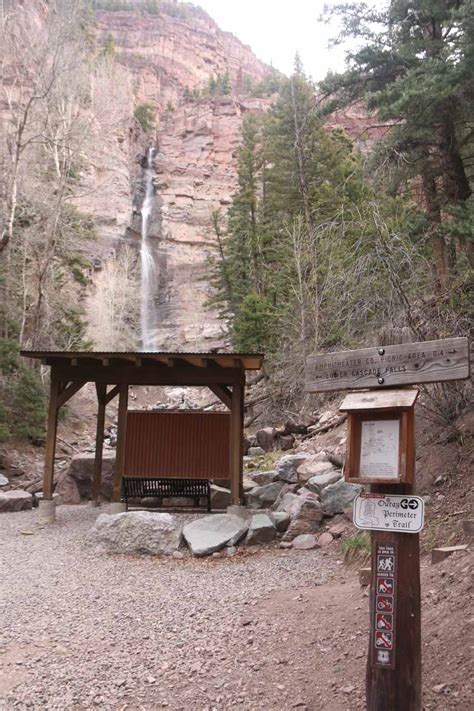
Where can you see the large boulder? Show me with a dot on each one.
(255, 452)
(319, 482)
(305, 542)
(286, 442)
(306, 519)
(211, 533)
(266, 438)
(316, 465)
(261, 530)
(281, 520)
(137, 531)
(75, 484)
(261, 478)
(262, 497)
(220, 497)
(307, 494)
(15, 500)
(337, 497)
(289, 503)
(247, 484)
(287, 467)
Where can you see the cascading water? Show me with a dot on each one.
(148, 266)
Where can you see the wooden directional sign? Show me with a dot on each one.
(384, 366)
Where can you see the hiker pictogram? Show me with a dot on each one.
(384, 603)
(384, 621)
(383, 640)
(386, 564)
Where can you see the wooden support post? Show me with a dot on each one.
(99, 441)
(236, 440)
(121, 435)
(52, 426)
(397, 688)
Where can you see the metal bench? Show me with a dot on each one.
(137, 487)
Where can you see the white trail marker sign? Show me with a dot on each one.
(384, 512)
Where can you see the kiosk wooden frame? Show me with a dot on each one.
(388, 405)
(113, 373)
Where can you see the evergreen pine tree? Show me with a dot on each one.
(415, 69)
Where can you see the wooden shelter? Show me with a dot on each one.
(113, 373)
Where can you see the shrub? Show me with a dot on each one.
(22, 397)
(145, 115)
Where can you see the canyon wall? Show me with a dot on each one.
(195, 162)
(165, 61)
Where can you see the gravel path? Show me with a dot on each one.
(81, 629)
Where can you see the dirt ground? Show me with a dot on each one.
(266, 629)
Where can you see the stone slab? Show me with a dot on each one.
(211, 533)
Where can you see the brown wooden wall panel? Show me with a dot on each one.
(181, 444)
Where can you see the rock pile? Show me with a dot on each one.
(291, 505)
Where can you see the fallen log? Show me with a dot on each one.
(326, 427)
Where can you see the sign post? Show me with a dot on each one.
(381, 453)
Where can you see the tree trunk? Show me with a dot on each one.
(455, 181)
(434, 215)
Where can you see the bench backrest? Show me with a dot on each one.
(186, 444)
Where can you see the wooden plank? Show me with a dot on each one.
(112, 394)
(149, 375)
(69, 391)
(120, 449)
(236, 440)
(223, 393)
(381, 400)
(99, 441)
(384, 366)
(52, 426)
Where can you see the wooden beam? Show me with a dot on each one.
(112, 394)
(121, 435)
(149, 375)
(236, 440)
(52, 426)
(67, 393)
(197, 361)
(223, 393)
(99, 441)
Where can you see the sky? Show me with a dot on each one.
(276, 29)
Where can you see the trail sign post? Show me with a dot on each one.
(385, 366)
(381, 452)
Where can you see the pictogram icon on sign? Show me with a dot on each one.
(409, 504)
(385, 586)
(386, 564)
(383, 657)
(384, 603)
(383, 640)
(384, 621)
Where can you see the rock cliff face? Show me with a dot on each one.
(195, 160)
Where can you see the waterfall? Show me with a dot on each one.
(148, 267)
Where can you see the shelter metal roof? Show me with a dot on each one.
(248, 361)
